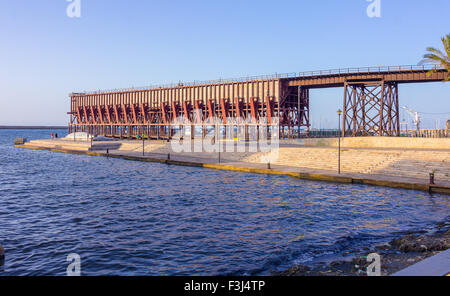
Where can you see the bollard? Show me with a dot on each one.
(431, 178)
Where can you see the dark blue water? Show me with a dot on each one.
(132, 218)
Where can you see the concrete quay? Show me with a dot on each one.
(437, 265)
(378, 163)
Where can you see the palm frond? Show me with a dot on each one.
(446, 42)
(435, 56)
(433, 59)
(435, 51)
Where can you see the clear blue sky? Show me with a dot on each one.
(45, 55)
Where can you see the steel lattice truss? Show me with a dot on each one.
(371, 108)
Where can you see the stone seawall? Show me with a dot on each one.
(379, 142)
(399, 169)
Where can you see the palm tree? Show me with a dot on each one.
(436, 56)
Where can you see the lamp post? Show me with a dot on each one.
(218, 137)
(339, 112)
(143, 145)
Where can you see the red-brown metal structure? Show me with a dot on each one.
(371, 108)
(371, 104)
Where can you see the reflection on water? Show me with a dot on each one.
(132, 218)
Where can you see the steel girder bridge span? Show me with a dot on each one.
(370, 103)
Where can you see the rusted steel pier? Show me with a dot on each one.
(370, 104)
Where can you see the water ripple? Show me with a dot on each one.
(131, 218)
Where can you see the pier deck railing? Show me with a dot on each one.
(341, 71)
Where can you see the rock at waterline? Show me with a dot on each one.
(2, 255)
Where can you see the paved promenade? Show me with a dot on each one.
(437, 265)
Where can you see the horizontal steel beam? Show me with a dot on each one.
(338, 80)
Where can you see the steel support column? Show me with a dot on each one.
(294, 112)
(371, 109)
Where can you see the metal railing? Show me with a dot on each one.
(382, 69)
(342, 71)
(425, 133)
